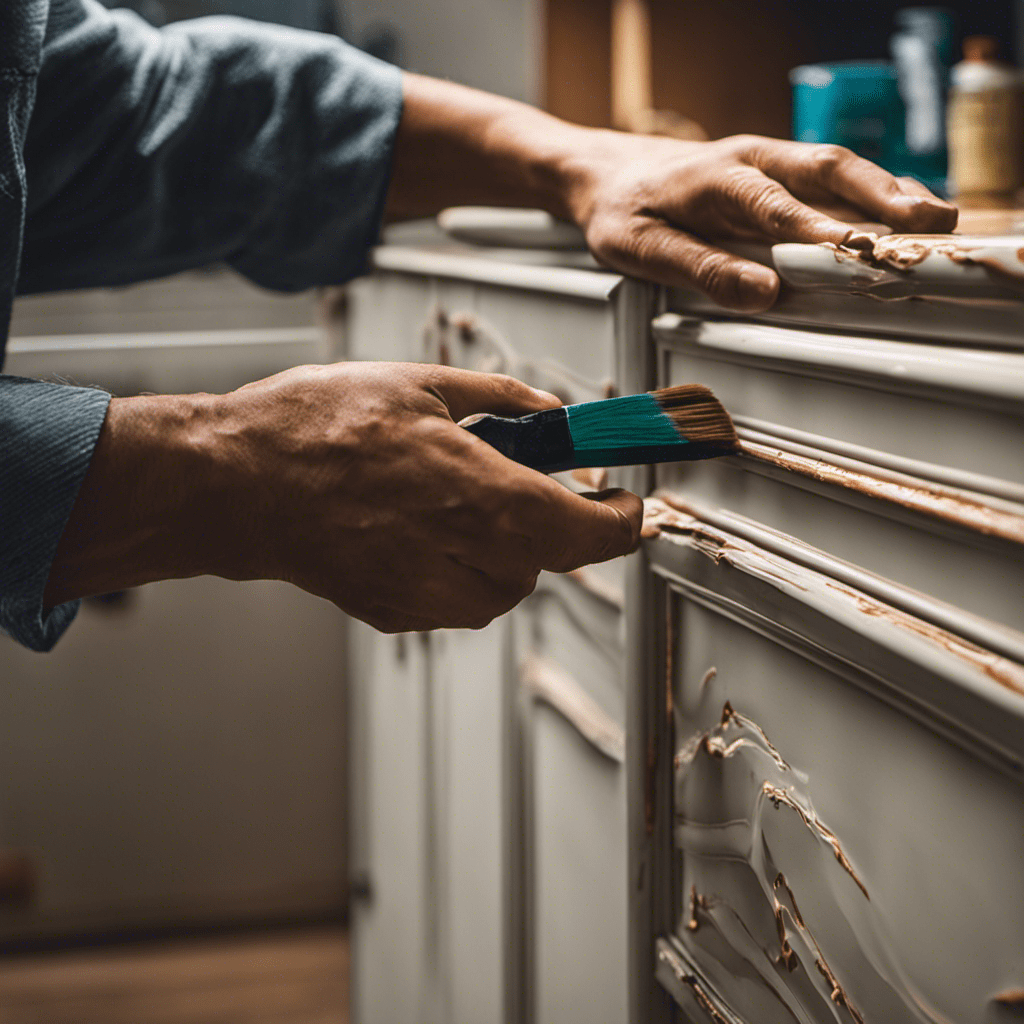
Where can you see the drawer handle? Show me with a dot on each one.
(499, 355)
(545, 681)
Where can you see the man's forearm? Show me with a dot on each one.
(460, 146)
(147, 507)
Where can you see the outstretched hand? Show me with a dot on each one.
(352, 480)
(653, 207)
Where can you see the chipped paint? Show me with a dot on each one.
(670, 516)
(937, 501)
(903, 266)
(726, 777)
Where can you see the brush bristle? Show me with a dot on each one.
(697, 415)
(666, 418)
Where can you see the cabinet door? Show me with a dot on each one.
(391, 795)
(467, 837)
(572, 807)
(835, 826)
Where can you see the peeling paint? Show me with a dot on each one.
(904, 252)
(949, 504)
(672, 519)
(725, 778)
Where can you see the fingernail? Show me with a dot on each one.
(757, 288)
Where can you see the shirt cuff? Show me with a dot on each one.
(49, 433)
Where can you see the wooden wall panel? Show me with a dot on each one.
(577, 60)
(726, 64)
(723, 64)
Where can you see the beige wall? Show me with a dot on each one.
(490, 44)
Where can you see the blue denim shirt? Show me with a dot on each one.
(127, 153)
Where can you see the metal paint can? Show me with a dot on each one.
(856, 104)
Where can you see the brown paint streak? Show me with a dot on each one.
(696, 901)
(716, 546)
(1000, 670)
(838, 995)
(946, 504)
(780, 796)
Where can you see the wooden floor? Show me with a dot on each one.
(282, 978)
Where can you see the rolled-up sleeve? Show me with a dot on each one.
(153, 151)
(49, 432)
(216, 140)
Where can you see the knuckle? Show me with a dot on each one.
(828, 158)
(711, 274)
(746, 142)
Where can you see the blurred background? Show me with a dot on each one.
(173, 777)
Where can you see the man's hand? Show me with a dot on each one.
(650, 207)
(352, 481)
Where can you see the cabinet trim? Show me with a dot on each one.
(976, 513)
(879, 461)
(595, 285)
(545, 681)
(961, 376)
(958, 688)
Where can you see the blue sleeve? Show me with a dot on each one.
(49, 432)
(216, 140)
(152, 151)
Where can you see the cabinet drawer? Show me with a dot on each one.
(912, 469)
(552, 327)
(838, 790)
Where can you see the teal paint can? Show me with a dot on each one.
(856, 104)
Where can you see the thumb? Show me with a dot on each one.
(466, 392)
(587, 528)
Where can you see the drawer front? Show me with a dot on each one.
(997, 323)
(561, 342)
(835, 792)
(897, 458)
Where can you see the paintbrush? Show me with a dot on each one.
(671, 425)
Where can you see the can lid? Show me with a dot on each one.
(981, 48)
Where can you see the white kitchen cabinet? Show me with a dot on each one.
(829, 680)
(493, 772)
(815, 673)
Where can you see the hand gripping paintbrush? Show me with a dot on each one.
(671, 425)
